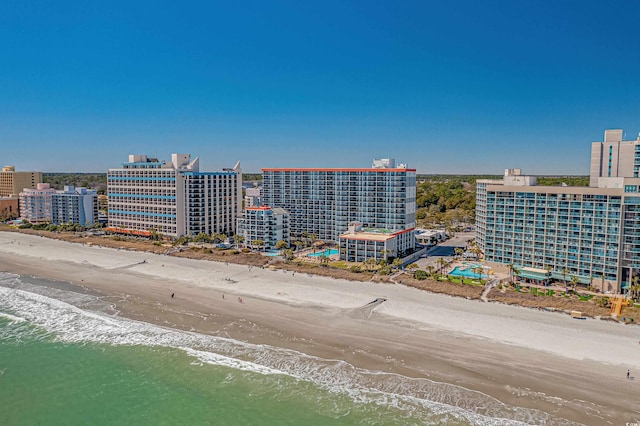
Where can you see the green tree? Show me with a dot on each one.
(397, 263)
(257, 243)
(238, 239)
(431, 270)
(288, 255)
(420, 275)
(281, 245)
(202, 238)
(574, 282)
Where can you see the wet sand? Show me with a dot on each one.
(522, 357)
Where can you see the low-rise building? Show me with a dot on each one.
(430, 236)
(359, 244)
(252, 197)
(265, 224)
(75, 205)
(9, 208)
(36, 204)
(71, 205)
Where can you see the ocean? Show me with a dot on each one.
(66, 357)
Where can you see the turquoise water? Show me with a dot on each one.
(466, 272)
(327, 252)
(66, 359)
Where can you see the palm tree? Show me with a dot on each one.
(238, 239)
(257, 243)
(516, 273)
(477, 270)
(370, 262)
(634, 288)
(431, 270)
(288, 255)
(281, 245)
(441, 263)
(511, 268)
(565, 271)
(574, 282)
(458, 251)
(397, 263)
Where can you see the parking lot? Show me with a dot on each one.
(445, 249)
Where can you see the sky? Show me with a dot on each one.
(458, 87)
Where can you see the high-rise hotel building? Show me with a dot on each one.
(325, 201)
(592, 233)
(12, 183)
(174, 199)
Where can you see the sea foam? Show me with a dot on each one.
(68, 323)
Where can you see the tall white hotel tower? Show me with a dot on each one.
(173, 199)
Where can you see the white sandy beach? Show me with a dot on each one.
(504, 351)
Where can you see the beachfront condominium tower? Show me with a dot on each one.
(12, 183)
(146, 195)
(44, 204)
(591, 233)
(324, 201)
(263, 226)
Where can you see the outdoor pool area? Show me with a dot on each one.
(467, 271)
(327, 252)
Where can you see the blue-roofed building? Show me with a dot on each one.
(173, 199)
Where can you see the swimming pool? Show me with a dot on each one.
(467, 272)
(327, 252)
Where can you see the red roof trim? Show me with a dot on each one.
(404, 231)
(334, 170)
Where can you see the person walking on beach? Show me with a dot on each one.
(628, 374)
(172, 294)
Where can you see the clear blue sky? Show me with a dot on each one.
(446, 86)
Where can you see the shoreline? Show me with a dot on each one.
(520, 356)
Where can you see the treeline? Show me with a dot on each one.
(246, 177)
(567, 180)
(447, 200)
(97, 181)
(450, 200)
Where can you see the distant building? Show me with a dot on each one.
(359, 244)
(174, 199)
(252, 197)
(265, 224)
(36, 204)
(71, 205)
(614, 157)
(9, 208)
(75, 205)
(324, 201)
(12, 182)
(430, 236)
